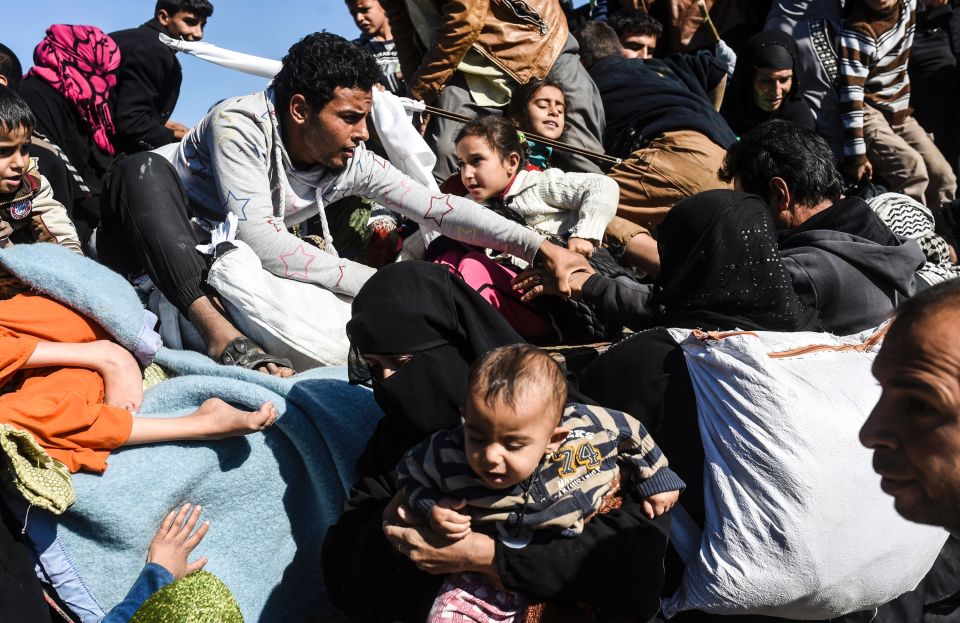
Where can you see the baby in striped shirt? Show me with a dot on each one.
(523, 461)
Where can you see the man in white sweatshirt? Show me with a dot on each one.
(274, 159)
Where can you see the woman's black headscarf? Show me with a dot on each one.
(422, 309)
(720, 268)
(766, 50)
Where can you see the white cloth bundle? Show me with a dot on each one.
(311, 332)
(796, 523)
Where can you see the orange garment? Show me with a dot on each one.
(61, 407)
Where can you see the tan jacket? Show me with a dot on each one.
(36, 216)
(521, 37)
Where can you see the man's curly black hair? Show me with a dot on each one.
(318, 64)
(779, 148)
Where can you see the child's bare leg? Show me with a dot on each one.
(215, 419)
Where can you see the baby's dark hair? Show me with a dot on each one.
(517, 110)
(14, 112)
(506, 374)
(499, 132)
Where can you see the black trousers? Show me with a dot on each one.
(21, 596)
(146, 226)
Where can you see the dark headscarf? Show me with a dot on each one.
(720, 268)
(766, 50)
(422, 309)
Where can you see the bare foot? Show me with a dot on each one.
(220, 420)
(122, 379)
(275, 370)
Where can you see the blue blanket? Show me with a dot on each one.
(269, 496)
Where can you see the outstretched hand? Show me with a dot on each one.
(559, 264)
(176, 539)
(563, 274)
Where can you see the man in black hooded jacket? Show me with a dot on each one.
(149, 76)
(843, 260)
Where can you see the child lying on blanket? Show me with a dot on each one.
(75, 390)
(522, 461)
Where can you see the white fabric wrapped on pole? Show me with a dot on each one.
(796, 524)
(407, 151)
(246, 63)
(288, 318)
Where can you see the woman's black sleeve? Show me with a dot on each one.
(358, 561)
(620, 300)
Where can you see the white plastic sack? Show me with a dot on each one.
(796, 523)
(288, 318)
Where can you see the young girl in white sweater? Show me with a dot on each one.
(573, 206)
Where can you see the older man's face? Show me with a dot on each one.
(914, 430)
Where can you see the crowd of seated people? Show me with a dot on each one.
(605, 177)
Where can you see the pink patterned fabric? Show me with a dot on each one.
(79, 62)
(469, 598)
(493, 282)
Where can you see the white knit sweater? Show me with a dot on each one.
(558, 203)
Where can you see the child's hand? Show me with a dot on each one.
(6, 230)
(656, 505)
(446, 521)
(581, 245)
(174, 541)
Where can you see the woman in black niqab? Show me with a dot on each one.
(772, 50)
(720, 268)
(422, 310)
(418, 309)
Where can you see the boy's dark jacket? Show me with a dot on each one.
(643, 99)
(148, 85)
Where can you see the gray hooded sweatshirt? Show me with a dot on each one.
(234, 161)
(845, 262)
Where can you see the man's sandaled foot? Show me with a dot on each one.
(244, 352)
(220, 420)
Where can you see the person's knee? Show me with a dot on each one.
(913, 167)
(143, 171)
(940, 172)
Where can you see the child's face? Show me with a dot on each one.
(482, 171)
(504, 446)
(546, 112)
(14, 158)
(369, 16)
